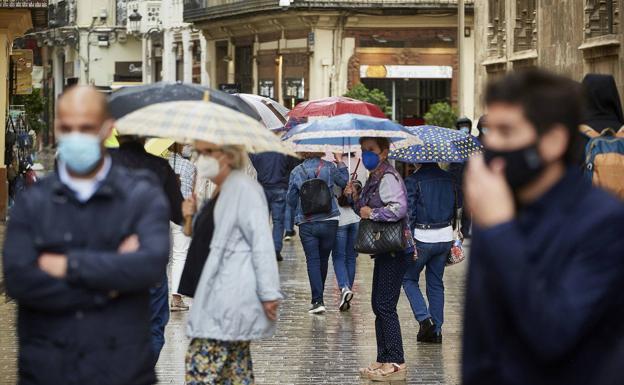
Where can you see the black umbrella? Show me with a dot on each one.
(129, 99)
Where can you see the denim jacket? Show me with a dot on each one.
(307, 170)
(432, 196)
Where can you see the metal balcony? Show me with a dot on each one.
(206, 10)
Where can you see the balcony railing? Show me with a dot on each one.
(204, 10)
(23, 4)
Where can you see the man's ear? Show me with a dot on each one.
(554, 144)
(107, 128)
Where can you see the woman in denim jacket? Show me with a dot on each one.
(317, 231)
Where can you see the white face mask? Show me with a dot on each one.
(207, 167)
(187, 151)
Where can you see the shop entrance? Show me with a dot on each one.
(411, 98)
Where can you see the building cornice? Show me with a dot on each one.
(202, 13)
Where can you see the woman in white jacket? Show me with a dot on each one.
(238, 293)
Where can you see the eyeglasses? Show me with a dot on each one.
(206, 151)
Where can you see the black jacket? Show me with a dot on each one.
(133, 156)
(92, 327)
(544, 298)
(603, 108)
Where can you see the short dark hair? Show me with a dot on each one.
(546, 100)
(383, 143)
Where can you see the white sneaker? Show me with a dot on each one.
(317, 308)
(345, 299)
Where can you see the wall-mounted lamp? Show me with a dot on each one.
(134, 22)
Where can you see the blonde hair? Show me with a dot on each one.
(236, 155)
(311, 155)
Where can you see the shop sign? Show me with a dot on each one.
(129, 70)
(406, 72)
(266, 88)
(22, 66)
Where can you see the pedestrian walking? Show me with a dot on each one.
(384, 199)
(344, 255)
(432, 197)
(603, 107)
(186, 172)
(82, 249)
(544, 303)
(237, 294)
(273, 174)
(317, 215)
(132, 154)
(603, 131)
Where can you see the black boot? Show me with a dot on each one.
(427, 331)
(279, 257)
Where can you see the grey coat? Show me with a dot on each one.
(241, 269)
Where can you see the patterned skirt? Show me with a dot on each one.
(213, 362)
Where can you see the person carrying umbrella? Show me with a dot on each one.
(384, 199)
(231, 270)
(317, 215)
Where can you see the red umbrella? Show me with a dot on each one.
(335, 105)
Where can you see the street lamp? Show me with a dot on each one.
(135, 22)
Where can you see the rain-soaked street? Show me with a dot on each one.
(329, 349)
(309, 349)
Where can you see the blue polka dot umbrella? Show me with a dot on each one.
(438, 145)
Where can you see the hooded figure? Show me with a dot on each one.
(603, 107)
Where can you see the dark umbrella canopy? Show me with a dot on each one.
(129, 99)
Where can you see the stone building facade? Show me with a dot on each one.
(303, 49)
(572, 37)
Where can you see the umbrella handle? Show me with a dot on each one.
(188, 225)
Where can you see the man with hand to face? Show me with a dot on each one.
(544, 303)
(82, 249)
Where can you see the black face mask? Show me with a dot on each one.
(522, 166)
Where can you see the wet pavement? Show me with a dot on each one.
(309, 349)
(329, 349)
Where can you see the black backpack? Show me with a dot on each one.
(315, 195)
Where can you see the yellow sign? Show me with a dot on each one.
(22, 60)
(376, 72)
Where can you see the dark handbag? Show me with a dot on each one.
(375, 238)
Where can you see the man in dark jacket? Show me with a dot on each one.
(82, 249)
(132, 155)
(544, 302)
(273, 174)
(432, 198)
(603, 108)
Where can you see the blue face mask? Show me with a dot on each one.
(370, 160)
(80, 152)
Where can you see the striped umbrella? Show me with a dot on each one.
(342, 133)
(185, 121)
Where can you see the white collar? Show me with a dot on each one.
(84, 188)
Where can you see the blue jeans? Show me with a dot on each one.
(276, 199)
(318, 240)
(159, 306)
(289, 218)
(433, 257)
(344, 255)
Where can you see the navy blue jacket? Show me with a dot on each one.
(544, 299)
(273, 169)
(432, 197)
(93, 327)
